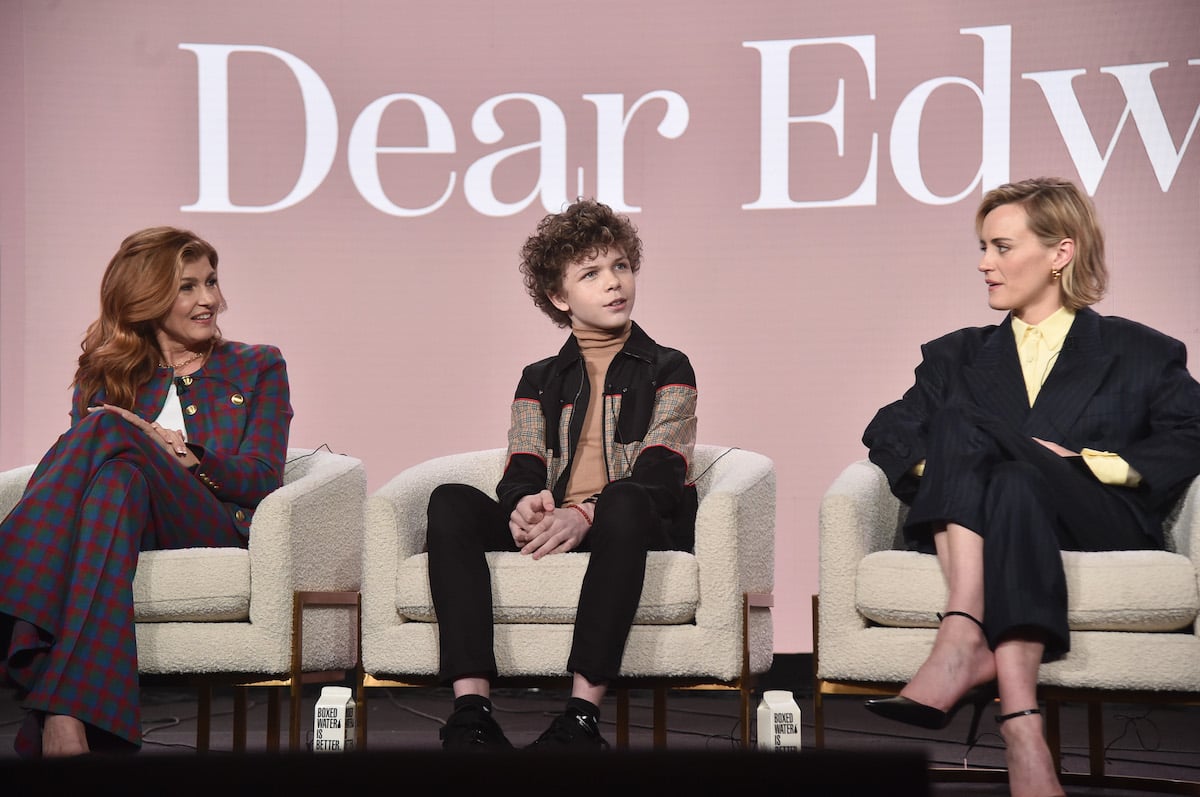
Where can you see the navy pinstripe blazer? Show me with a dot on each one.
(237, 411)
(1117, 386)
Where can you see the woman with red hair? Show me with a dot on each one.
(176, 435)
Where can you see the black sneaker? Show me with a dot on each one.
(473, 729)
(573, 731)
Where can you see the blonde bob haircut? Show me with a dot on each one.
(1057, 209)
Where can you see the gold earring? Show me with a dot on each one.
(1055, 273)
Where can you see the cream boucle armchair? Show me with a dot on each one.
(225, 615)
(704, 618)
(1134, 615)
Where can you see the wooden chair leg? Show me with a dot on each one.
(818, 718)
(203, 715)
(660, 718)
(622, 718)
(360, 728)
(239, 719)
(746, 694)
(273, 719)
(818, 695)
(1054, 733)
(296, 690)
(296, 679)
(1096, 737)
(759, 600)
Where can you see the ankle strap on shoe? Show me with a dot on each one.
(942, 616)
(1006, 717)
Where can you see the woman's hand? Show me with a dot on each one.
(1056, 448)
(540, 528)
(171, 440)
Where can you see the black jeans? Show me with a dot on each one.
(465, 523)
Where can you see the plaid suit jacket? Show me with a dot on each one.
(237, 412)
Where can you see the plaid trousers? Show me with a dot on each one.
(68, 551)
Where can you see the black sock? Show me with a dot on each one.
(584, 708)
(473, 701)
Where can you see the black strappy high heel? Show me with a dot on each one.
(903, 709)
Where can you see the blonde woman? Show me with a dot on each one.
(1056, 429)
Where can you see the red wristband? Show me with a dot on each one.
(581, 511)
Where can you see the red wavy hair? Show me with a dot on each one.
(139, 287)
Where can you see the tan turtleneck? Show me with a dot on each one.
(589, 473)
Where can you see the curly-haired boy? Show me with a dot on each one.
(599, 449)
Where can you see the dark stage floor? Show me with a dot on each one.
(1144, 741)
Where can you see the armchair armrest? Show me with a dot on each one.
(12, 486)
(1183, 527)
(1182, 531)
(858, 516)
(306, 535)
(396, 519)
(735, 555)
(735, 528)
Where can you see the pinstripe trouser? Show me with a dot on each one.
(1028, 504)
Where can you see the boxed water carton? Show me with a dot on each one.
(778, 721)
(333, 729)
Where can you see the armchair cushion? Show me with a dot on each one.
(1107, 591)
(547, 590)
(1134, 615)
(192, 584)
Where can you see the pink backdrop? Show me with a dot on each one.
(804, 175)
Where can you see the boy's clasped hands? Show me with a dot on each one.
(540, 528)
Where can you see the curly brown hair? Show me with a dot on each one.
(584, 230)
